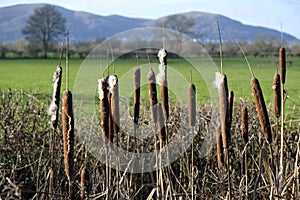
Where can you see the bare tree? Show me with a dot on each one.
(44, 26)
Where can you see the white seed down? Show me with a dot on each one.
(112, 81)
(218, 80)
(101, 83)
(160, 77)
(53, 107)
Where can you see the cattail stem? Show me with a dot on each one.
(68, 137)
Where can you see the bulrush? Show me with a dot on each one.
(68, 136)
(220, 155)
(261, 109)
(230, 111)
(282, 64)
(161, 124)
(192, 105)
(54, 106)
(114, 103)
(152, 95)
(104, 108)
(277, 96)
(244, 125)
(162, 81)
(137, 94)
(221, 84)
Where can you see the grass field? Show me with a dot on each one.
(36, 75)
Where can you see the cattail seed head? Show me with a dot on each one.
(230, 111)
(220, 155)
(282, 64)
(82, 183)
(54, 106)
(221, 84)
(277, 95)
(162, 55)
(161, 124)
(152, 95)
(104, 108)
(68, 132)
(137, 93)
(114, 90)
(192, 105)
(261, 109)
(244, 125)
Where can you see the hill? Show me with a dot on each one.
(86, 26)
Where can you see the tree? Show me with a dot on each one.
(179, 23)
(44, 26)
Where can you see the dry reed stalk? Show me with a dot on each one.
(54, 106)
(137, 93)
(277, 96)
(68, 136)
(261, 109)
(152, 95)
(220, 155)
(161, 124)
(282, 64)
(104, 108)
(230, 111)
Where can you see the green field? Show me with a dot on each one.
(36, 75)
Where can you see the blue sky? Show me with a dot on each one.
(267, 13)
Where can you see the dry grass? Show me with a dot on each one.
(24, 160)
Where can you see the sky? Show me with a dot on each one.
(276, 14)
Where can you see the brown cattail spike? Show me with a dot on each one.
(277, 96)
(137, 93)
(192, 105)
(152, 95)
(104, 108)
(82, 183)
(220, 155)
(162, 80)
(244, 125)
(161, 124)
(54, 106)
(223, 103)
(282, 64)
(114, 105)
(68, 136)
(230, 111)
(261, 110)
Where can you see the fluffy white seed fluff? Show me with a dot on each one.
(101, 83)
(112, 80)
(53, 107)
(160, 77)
(218, 80)
(161, 55)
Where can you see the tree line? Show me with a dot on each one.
(46, 28)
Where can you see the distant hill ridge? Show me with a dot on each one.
(86, 26)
